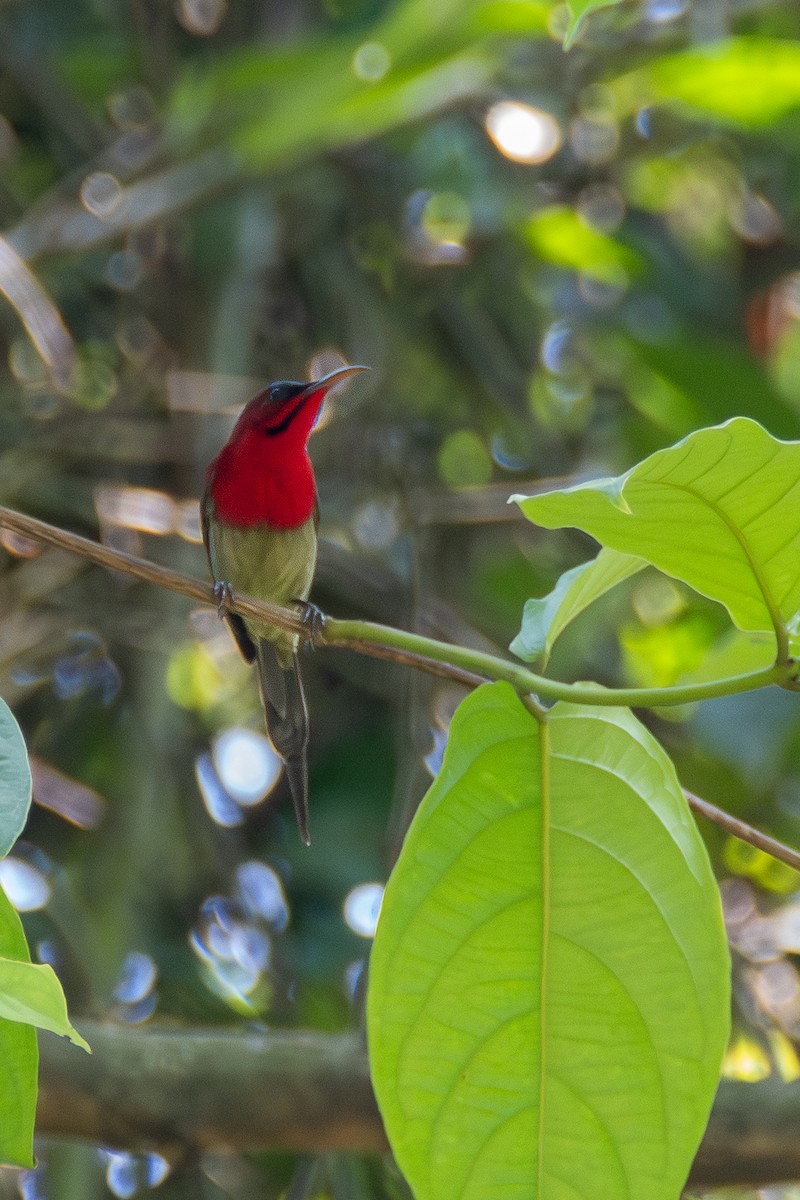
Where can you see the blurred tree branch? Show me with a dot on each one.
(162, 1086)
(181, 1088)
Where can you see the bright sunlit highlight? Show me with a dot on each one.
(362, 908)
(523, 133)
(26, 886)
(746, 1060)
(247, 765)
(140, 508)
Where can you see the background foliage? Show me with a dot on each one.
(197, 198)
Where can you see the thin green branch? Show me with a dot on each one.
(369, 638)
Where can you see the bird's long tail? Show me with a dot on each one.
(287, 723)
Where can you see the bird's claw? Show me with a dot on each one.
(223, 594)
(313, 621)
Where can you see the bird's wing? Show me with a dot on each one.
(235, 622)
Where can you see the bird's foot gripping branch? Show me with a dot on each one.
(549, 986)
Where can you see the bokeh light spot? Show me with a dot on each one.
(136, 979)
(246, 764)
(362, 908)
(746, 1060)
(464, 460)
(261, 895)
(24, 884)
(220, 807)
(445, 218)
(371, 62)
(101, 194)
(594, 139)
(523, 133)
(375, 525)
(144, 509)
(194, 680)
(201, 17)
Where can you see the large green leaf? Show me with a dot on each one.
(719, 510)
(548, 1002)
(15, 780)
(19, 1058)
(543, 619)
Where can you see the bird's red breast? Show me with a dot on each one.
(263, 475)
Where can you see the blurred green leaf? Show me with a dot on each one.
(720, 378)
(96, 66)
(322, 93)
(559, 235)
(509, 16)
(751, 81)
(579, 10)
(336, 111)
(464, 460)
(520, 1037)
(544, 619)
(15, 780)
(719, 510)
(19, 1056)
(661, 655)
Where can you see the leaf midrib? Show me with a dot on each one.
(775, 615)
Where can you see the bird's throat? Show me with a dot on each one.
(256, 482)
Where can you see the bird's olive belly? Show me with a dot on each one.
(276, 565)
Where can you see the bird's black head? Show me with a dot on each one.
(280, 404)
(285, 389)
(284, 399)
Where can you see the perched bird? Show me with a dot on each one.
(260, 516)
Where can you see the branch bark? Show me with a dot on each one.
(157, 1086)
(178, 1089)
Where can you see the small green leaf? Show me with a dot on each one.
(579, 10)
(549, 984)
(543, 620)
(19, 1058)
(15, 780)
(720, 510)
(32, 994)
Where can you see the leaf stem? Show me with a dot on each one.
(381, 640)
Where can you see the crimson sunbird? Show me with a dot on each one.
(260, 516)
